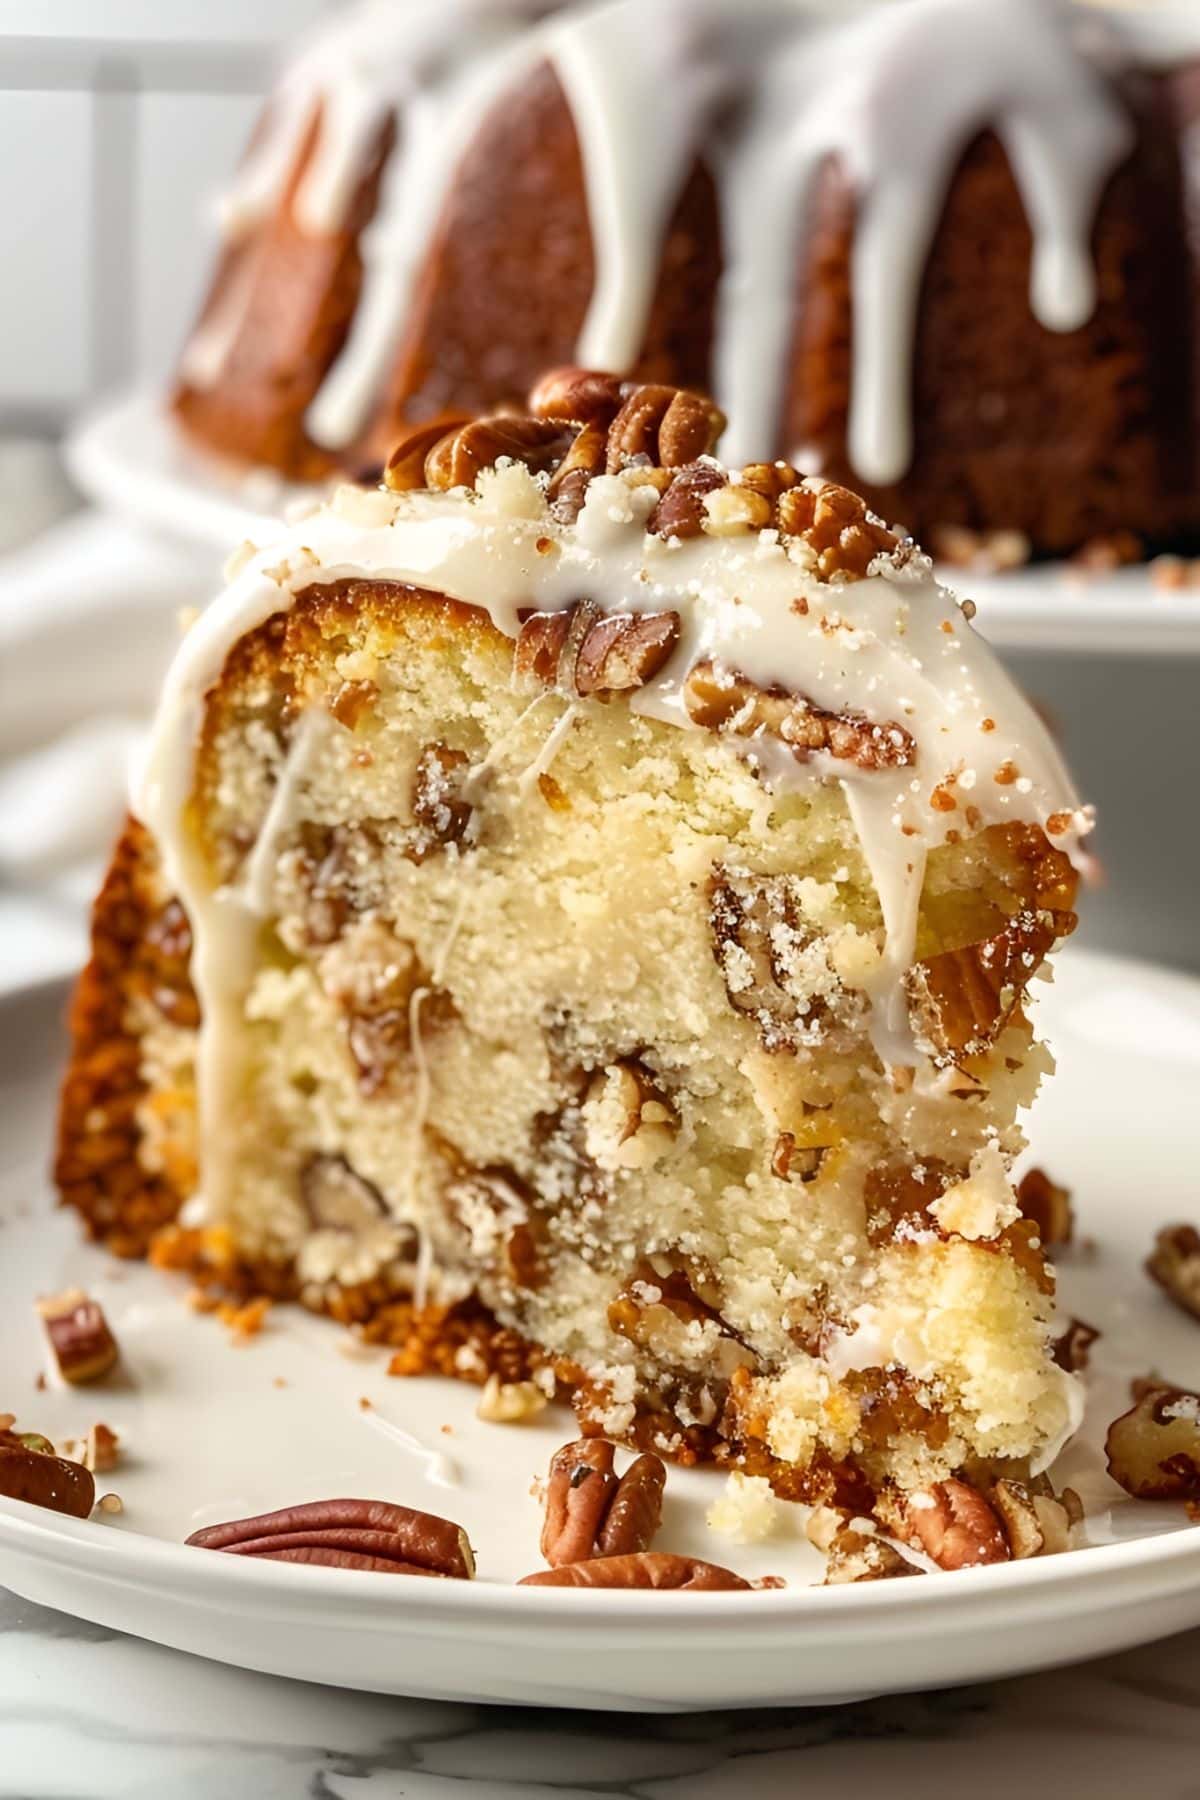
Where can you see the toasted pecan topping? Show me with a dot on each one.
(837, 524)
(962, 999)
(681, 512)
(668, 427)
(584, 422)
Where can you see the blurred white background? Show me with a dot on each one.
(116, 119)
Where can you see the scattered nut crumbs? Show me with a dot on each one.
(509, 1402)
(747, 1510)
(111, 1503)
(364, 1404)
(246, 1320)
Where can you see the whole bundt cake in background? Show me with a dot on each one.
(939, 250)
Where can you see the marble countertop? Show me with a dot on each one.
(88, 1713)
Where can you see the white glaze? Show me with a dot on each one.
(770, 89)
(894, 646)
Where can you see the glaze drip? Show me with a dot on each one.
(769, 90)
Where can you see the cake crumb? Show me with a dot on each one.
(747, 1510)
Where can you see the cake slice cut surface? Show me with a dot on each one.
(587, 884)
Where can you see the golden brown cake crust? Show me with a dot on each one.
(140, 949)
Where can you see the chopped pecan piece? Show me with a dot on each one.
(27, 1472)
(837, 524)
(1037, 1522)
(860, 1556)
(629, 1123)
(510, 1402)
(348, 1534)
(764, 950)
(83, 1347)
(956, 1527)
(1153, 1449)
(1047, 1206)
(439, 812)
(1175, 1265)
(722, 699)
(591, 1513)
(963, 999)
(1072, 1349)
(337, 1198)
(650, 1569)
(680, 512)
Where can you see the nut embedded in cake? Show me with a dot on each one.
(617, 931)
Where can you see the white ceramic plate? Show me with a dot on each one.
(216, 1432)
(128, 454)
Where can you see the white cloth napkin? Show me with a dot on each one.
(89, 616)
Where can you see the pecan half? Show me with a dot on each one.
(956, 1527)
(635, 1511)
(573, 396)
(1046, 1205)
(42, 1479)
(324, 1530)
(667, 426)
(581, 1485)
(649, 1569)
(405, 467)
(1175, 1265)
(457, 457)
(1153, 1449)
(590, 1513)
(722, 699)
(83, 1347)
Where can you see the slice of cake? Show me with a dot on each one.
(581, 923)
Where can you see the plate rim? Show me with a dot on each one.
(126, 1556)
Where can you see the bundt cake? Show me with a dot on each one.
(941, 251)
(579, 926)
